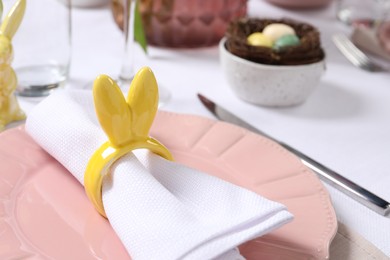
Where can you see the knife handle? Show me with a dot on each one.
(344, 185)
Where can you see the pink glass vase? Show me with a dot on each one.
(188, 23)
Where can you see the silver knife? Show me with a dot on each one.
(329, 176)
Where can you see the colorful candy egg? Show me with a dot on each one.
(286, 41)
(276, 30)
(259, 39)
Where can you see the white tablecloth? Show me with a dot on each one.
(345, 124)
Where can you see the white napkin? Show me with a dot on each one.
(159, 209)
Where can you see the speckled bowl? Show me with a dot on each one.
(269, 85)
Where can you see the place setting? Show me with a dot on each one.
(166, 157)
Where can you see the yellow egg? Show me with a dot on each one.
(276, 30)
(259, 39)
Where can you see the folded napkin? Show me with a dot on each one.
(159, 209)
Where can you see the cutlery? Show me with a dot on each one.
(331, 177)
(354, 54)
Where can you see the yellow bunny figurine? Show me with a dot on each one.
(9, 107)
(126, 123)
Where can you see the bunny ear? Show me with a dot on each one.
(1, 9)
(13, 19)
(112, 110)
(143, 101)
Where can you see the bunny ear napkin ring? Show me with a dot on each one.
(126, 123)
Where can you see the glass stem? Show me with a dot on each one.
(127, 69)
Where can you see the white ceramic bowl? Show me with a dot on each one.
(269, 85)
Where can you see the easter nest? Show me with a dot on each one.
(308, 51)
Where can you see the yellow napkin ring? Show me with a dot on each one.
(126, 123)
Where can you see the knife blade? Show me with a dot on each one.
(327, 175)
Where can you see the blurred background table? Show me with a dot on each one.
(345, 124)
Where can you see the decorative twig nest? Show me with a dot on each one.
(308, 51)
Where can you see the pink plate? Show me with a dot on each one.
(44, 212)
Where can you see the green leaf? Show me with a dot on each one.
(139, 33)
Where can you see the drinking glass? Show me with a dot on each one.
(42, 46)
(362, 12)
(126, 73)
(127, 68)
(188, 23)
